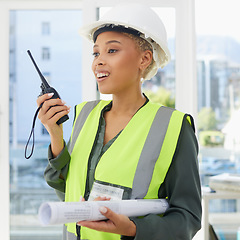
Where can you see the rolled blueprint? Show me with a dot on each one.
(67, 212)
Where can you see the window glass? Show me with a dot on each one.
(45, 28)
(30, 29)
(45, 53)
(161, 88)
(218, 74)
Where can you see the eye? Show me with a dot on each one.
(95, 54)
(112, 50)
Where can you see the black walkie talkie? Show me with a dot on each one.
(45, 89)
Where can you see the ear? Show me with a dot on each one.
(146, 59)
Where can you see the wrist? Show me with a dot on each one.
(133, 229)
(57, 145)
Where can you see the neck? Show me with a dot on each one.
(127, 104)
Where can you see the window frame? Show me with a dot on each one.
(185, 68)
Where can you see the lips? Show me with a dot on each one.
(101, 75)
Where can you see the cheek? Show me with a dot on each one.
(131, 64)
(129, 61)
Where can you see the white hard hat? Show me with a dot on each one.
(144, 20)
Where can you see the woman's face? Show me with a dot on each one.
(116, 63)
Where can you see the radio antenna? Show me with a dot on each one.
(44, 81)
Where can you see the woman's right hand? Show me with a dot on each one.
(51, 111)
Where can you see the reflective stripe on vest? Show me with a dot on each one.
(149, 140)
(145, 169)
(78, 124)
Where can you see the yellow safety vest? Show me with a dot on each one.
(138, 159)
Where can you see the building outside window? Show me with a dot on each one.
(218, 74)
(28, 188)
(45, 28)
(45, 53)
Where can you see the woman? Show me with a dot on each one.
(127, 148)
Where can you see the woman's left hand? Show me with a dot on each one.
(115, 223)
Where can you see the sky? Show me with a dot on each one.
(218, 17)
(212, 17)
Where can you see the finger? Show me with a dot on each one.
(54, 118)
(104, 226)
(52, 103)
(81, 199)
(108, 213)
(103, 198)
(53, 114)
(117, 223)
(43, 98)
(46, 106)
(55, 109)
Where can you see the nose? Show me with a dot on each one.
(100, 60)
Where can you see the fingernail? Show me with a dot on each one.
(50, 94)
(81, 198)
(103, 209)
(63, 102)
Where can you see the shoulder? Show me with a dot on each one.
(177, 116)
(91, 104)
(88, 104)
(86, 107)
(187, 137)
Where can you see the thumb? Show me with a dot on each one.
(108, 213)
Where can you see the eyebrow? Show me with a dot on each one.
(108, 42)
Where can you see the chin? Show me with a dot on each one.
(104, 91)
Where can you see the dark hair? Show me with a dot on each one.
(142, 45)
(114, 28)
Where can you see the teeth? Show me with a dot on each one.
(99, 75)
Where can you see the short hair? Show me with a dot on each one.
(142, 45)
